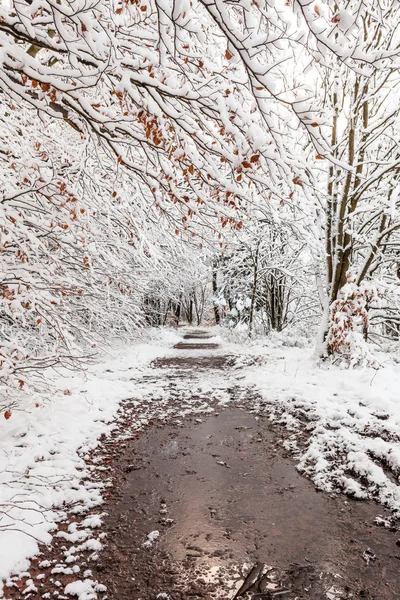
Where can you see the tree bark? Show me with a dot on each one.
(215, 289)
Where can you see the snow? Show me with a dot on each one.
(343, 430)
(42, 450)
(351, 417)
(84, 590)
(151, 539)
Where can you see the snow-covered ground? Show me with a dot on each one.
(343, 428)
(347, 420)
(43, 446)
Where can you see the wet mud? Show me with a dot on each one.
(192, 346)
(228, 504)
(235, 518)
(211, 506)
(192, 363)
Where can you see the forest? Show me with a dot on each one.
(226, 165)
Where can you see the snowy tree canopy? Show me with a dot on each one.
(135, 134)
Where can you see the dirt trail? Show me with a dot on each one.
(235, 518)
(229, 517)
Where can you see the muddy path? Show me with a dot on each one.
(204, 502)
(230, 517)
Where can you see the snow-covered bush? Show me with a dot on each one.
(349, 320)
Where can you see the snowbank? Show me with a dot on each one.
(42, 449)
(351, 418)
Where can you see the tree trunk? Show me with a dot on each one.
(254, 290)
(178, 308)
(215, 289)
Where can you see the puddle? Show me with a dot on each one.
(197, 336)
(230, 496)
(193, 363)
(211, 507)
(192, 346)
